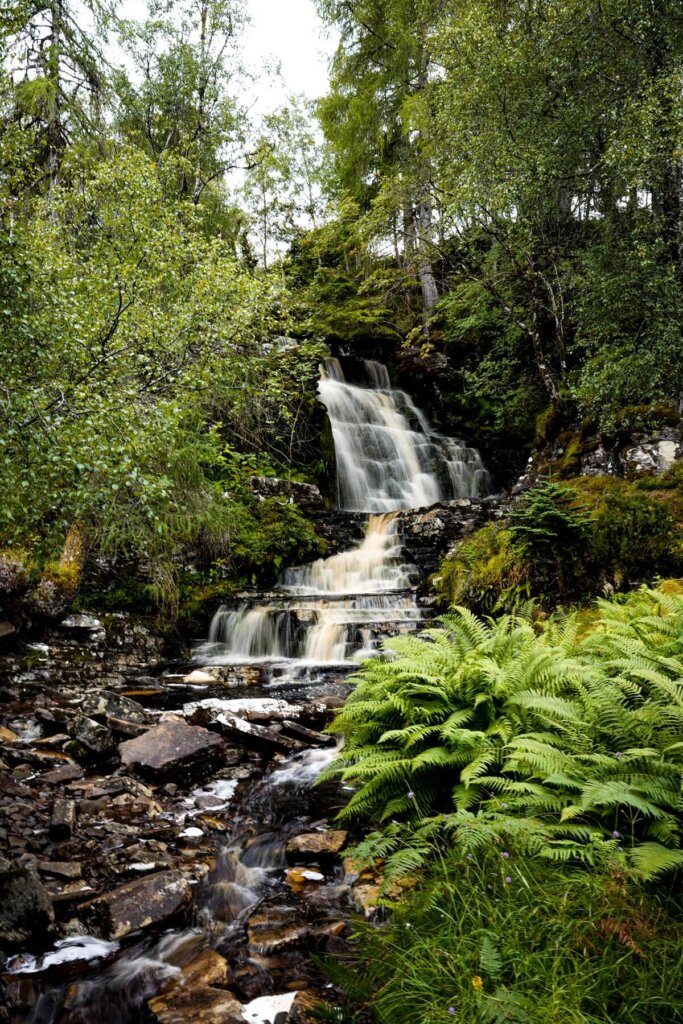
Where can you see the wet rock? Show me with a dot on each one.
(7, 736)
(108, 705)
(248, 734)
(302, 732)
(209, 968)
(147, 902)
(26, 912)
(92, 740)
(171, 746)
(275, 930)
(202, 1005)
(6, 629)
(63, 822)
(313, 845)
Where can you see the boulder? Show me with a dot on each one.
(652, 455)
(26, 913)
(147, 902)
(82, 624)
(173, 745)
(316, 845)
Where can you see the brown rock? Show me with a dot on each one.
(209, 968)
(65, 773)
(202, 1005)
(151, 900)
(313, 845)
(171, 745)
(7, 736)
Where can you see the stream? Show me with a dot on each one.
(195, 867)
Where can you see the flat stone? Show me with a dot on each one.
(59, 868)
(203, 1005)
(7, 736)
(6, 629)
(87, 623)
(146, 902)
(171, 745)
(312, 845)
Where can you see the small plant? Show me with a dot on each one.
(550, 531)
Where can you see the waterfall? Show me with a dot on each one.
(337, 610)
(388, 456)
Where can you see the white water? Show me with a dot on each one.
(388, 456)
(337, 610)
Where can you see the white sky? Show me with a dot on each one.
(290, 32)
(284, 32)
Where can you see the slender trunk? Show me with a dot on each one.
(430, 292)
(201, 96)
(55, 135)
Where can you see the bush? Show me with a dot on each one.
(568, 542)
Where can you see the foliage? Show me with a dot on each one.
(498, 937)
(477, 733)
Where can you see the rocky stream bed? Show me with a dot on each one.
(163, 854)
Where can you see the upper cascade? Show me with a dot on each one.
(388, 456)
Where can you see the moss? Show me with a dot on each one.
(634, 418)
(632, 536)
(483, 572)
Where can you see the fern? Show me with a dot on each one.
(562, 740)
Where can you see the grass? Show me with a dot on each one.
(501, 938)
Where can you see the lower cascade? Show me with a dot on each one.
(336, 611)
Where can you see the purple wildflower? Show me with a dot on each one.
(508, 879)
(618, 754)
(615, 834)
(505, 854)
(451, 1010)
(411, 795)
(504, 806)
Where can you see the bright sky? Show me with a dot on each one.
(291, 32)
(284, 32)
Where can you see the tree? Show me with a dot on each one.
(376, 119)
(58, 77)
(179, 107)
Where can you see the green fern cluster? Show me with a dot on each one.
(478, 732)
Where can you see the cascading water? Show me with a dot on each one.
(388, 456)
(336, 610)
